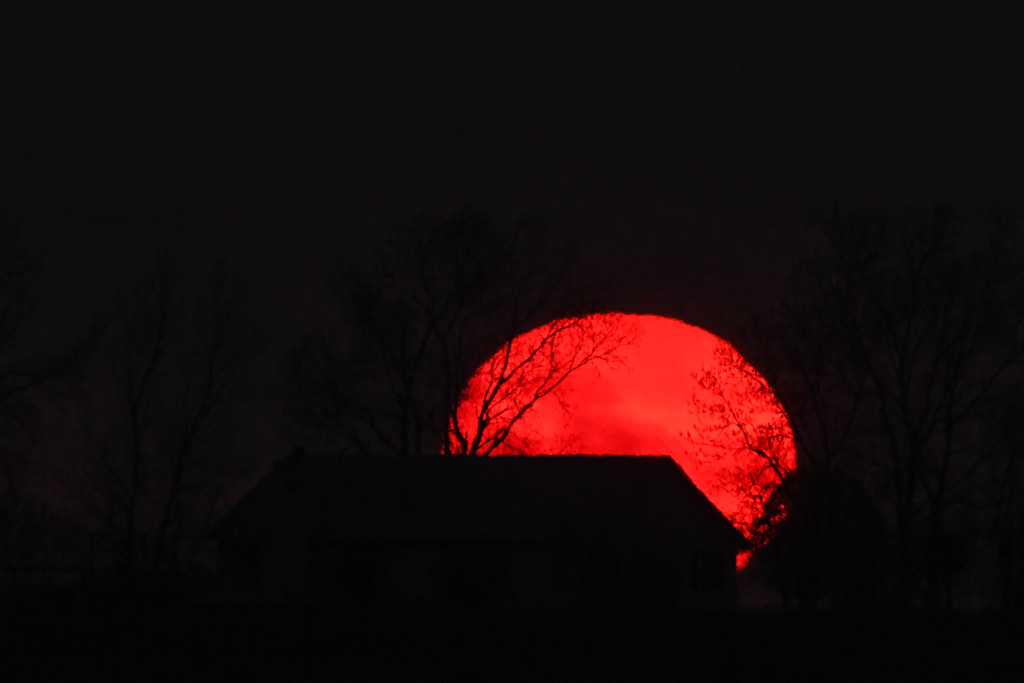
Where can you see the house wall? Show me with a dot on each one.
(510, 575)
(622, 572)
(442, 573)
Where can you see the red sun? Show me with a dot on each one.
(658, 387)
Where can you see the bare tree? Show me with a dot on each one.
(741, 427)
(19, 369)
(820, 535)
(817, 534)
(30, 362)
(1002, 487)
(525, 370)
(892, 356)
(889, 358)
(173, 362)
(935, 334)
(435, 303)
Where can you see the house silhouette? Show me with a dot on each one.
(517, 531)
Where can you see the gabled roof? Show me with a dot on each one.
(462, 499)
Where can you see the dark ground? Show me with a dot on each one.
(231, 642)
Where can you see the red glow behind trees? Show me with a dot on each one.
(662, 388)
(741, 430)
(528, 370)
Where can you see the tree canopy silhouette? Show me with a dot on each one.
(892, 355)
(31, 357)
(161, 405)
(419, 320)
(740, 423)
(526, 369)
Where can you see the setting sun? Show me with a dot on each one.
(666, 388)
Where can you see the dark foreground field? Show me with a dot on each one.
(224, 643)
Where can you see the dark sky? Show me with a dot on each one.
(685, 146)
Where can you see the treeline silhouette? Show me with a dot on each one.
(897, 355)
(417, 321)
